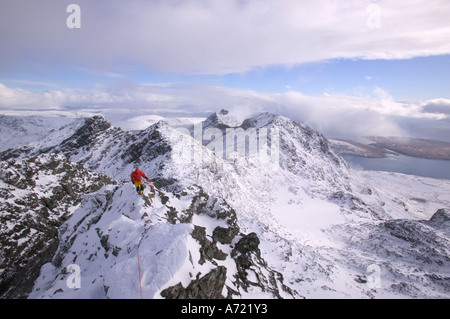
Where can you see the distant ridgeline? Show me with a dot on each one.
(382, 146)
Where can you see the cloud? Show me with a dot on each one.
(342, 115)
(333, 114)
(215, 36)
(386, 104)
(20, 98)
(439, 106)
(117, 40)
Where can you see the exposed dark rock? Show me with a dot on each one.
(440, 219)
(248, 259)
(247, 244)
(209, 286)
(224, 235)
(208, 249)
(34, 218)
(86, 134)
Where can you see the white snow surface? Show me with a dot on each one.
(320, 223)
(113, 272)
(20, 130)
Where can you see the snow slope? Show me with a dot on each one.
(20, 130)
(103, 237)
(114, 226)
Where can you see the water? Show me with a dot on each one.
(402, 164)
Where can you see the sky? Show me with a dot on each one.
(347, 68)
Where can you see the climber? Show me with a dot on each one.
(136, 178)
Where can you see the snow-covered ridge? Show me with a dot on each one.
(290, 232)
(20, 130)
(180, 239)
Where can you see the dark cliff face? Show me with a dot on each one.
(145, 146)
(38, 195)
(86, 135)
(441, 219)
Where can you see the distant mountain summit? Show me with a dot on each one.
(221, 119)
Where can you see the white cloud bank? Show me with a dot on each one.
(216, 36)
(332, 114)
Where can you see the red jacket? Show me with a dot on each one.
(137, 175)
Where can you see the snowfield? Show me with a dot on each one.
(107, 253)
(230, 227)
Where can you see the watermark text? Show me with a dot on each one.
(73, 21)
(198, 145)
(74, 279)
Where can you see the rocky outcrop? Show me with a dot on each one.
(440, 219)
(85, 136)
(208, 249)
(209, 286)
(252, 270)
(38, 195)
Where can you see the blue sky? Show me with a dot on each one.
(417, 78)
(376, 63)
(420, 78)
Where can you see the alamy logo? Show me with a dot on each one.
(374, 16)
(74, 19)
(261, 145)
(374, 279)
(74, 279)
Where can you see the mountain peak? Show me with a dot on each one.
(441, 218)
(222, 119)
(260, 120)
(96, 123)
(86, 134)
